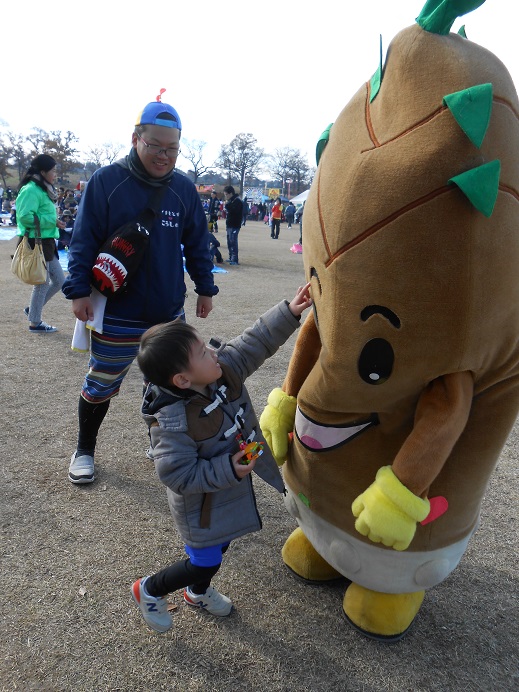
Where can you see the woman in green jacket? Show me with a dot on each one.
(38, 197)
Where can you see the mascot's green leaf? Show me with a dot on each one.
(323, 141)
(462, 32)
(472, 108)
(480, 185)
(438, 16)
(376, 80)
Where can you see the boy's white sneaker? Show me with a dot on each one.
(212, 601)
(153, 610)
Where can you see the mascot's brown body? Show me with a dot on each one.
(406, 374)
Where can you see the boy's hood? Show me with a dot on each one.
(156, 398)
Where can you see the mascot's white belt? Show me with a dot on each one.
(379, 570)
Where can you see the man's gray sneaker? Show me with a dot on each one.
(81, 469)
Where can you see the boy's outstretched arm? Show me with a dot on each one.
(247, 352)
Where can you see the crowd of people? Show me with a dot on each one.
(273, 212)
(7, 206)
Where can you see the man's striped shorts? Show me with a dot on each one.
(111, 355)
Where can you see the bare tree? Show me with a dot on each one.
(37, 140)
(57, 145)
(241, 158)
(15, 153)
(224, 162)
(99, 156)
(301, 172)
(95, 157)
(192, 151)
(290, 165)
(281, 165)
(111, 151)
(61, 148)
(6, 153)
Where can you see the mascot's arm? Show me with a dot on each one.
(387, 512)
(277, 419)
(441, 416)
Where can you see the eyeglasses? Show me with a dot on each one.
(156, 150)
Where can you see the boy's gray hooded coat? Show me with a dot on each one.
(193, 438)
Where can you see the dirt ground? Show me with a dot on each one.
(70, 553)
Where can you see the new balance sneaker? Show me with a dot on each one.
(81, 469)
(212, 601)
(153, 610)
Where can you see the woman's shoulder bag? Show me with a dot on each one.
(28, 263)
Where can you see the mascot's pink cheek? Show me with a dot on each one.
(439, 506)
(311, 442)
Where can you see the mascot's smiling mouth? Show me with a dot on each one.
(323, 438)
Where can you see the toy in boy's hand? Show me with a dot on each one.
(252, 451)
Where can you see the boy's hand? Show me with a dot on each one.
(301, 300)
(241, 469)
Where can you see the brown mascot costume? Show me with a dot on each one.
(404, 382)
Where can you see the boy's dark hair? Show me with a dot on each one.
(165, 350)
(229, 190)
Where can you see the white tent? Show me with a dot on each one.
(300, 198)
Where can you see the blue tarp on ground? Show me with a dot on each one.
(7, 232)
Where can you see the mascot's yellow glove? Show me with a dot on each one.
(277, 421)
(388, 512)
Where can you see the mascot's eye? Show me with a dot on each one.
(376, 361)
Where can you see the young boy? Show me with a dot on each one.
(214, 244)
(199, 415)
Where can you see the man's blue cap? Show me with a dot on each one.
(158, 113)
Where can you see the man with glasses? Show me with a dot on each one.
(117, 194)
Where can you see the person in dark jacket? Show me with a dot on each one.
(205, 441)
(115, 195)
(299, 219)
(289, 214)
(233, 221)
(213, 210)
(245, 211)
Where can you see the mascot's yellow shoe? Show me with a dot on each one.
(300, 557)
(382, 616)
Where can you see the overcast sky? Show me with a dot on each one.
(90, 67)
